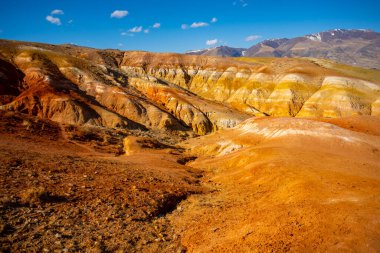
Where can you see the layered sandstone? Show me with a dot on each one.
(280, 87)
(173, 92)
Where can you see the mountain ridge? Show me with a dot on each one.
(360, 47)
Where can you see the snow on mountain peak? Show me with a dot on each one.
(314, 37)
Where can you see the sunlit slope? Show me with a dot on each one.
(271, 86)
(75, 86)
(286, 184)
(172, 92)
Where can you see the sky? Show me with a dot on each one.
(178, 25)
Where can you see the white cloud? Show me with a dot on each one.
(157, 25)
(212, 42)
(57, 12)
(136, 29)
(119, 14)
(199, 24)
(120, 44)
(214, 20)
(53, 20)
(146, 31)
(196, 24)
(252, 37)
(127, 34)
(242, 3)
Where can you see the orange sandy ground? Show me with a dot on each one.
(294, 193)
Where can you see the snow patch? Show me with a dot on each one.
(314, 37)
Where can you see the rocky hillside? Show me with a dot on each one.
(176, 93)
(353, 47)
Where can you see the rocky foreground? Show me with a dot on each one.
(106, 151)
(64, 190)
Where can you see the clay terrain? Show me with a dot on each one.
(111, 151)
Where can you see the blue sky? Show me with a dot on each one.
(178, 25)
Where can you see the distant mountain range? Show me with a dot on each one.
(353, 47)
(219, 51)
